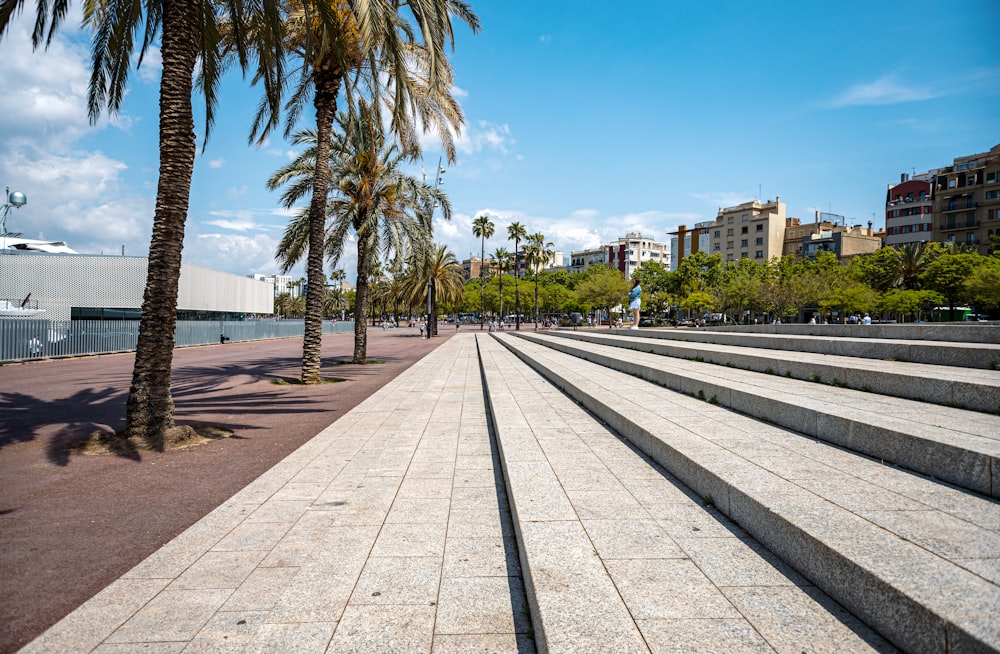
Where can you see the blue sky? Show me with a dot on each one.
(585, 120)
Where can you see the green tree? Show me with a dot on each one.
(537, 252)
(373, 199)
(354, 44)
(949, 274)
(983, 285)
(439, 264)
(501, 264)
(517, 233)
(602, 288)
(482, 227)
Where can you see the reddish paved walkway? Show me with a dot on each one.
(71, 525)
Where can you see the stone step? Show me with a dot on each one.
(968, 388)
(618, 556)
(915, 559)
(961, 447)
(848, 341)
(943, 332)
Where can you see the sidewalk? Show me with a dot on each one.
(387, 531)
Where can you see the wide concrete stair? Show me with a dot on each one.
(665, 503)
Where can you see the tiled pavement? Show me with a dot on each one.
(387, 532)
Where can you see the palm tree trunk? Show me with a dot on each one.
(482, 285)
(501, 295)
(325, 102)
(536, 299)
(361, 305)
(149, 411)
(517, 293)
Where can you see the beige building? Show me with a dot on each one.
(752, 230)
(580, 260)
(967, 200)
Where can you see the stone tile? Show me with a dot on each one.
(173, 615)
(691, 521)
(668, 588)
(715, 636)
(384, 628)
(227, 632)
(251, 536)
(631, 539)
(939, 532)
(261, 590)
(475, 497)
(483, 522)
(429, 511)
(218, 570)
(280, 511)
(739, 562)
(300, 638)
(410, 539)
(144, 648)
(606, 504)
(481, 605)
(787, 617)
(483, 644)
(399, 580)
(479, 557)
(424, 488)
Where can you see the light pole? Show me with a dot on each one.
(432, 321)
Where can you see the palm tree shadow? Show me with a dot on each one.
(242, 388)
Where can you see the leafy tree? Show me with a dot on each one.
(601, 288)
(517, 233)
(949, 274)
(697, 303)
(383, 206)
(439, 264)
(501, 264)
(482, 227)
(537, 253)
(983, 285)
(903, 304)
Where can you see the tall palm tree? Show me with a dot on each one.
(482, 227)
(501, 264)
(373, 198)
(537, 253)
(517, 233)
(189, 35)
(363, 43)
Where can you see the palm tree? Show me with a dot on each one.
(537, 253)
(482, 227)
(373, 198)
(363, 43)
(501, 264)
(435, 263)
(516, 233)
(189, 35)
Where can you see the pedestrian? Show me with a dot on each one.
(634, 302)
(421, 329)
(867, 320)
(34, 346)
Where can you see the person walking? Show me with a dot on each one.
(634, 302)
(34, 347)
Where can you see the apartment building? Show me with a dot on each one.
(845, 242)
(580, 260)
(909, 209)
(967, 200)
(628, 253)
(752, 230)
(684, 242)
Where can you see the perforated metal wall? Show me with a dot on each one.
(59, 282)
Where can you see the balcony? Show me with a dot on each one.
(965, 224)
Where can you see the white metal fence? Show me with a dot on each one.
(26, 338)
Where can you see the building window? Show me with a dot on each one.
(760, 241)
(760, 228)
(716, 246)
(744, 230)
(743, 243)
(746, 217)
(952, 182)
(991, 177)
(743, 255)
(760, 254)
(991, 195)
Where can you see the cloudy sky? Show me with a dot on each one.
(585, 120)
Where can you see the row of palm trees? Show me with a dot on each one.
(389, 53)
(537, 253)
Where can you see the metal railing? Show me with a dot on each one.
(27, 338)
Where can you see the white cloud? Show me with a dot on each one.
(235, 225)
(236, 253)
(152, 65)
(217, 163)
(883, 91)
(722, 199)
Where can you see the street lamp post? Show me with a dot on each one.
(15, 200)
(432, 322)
